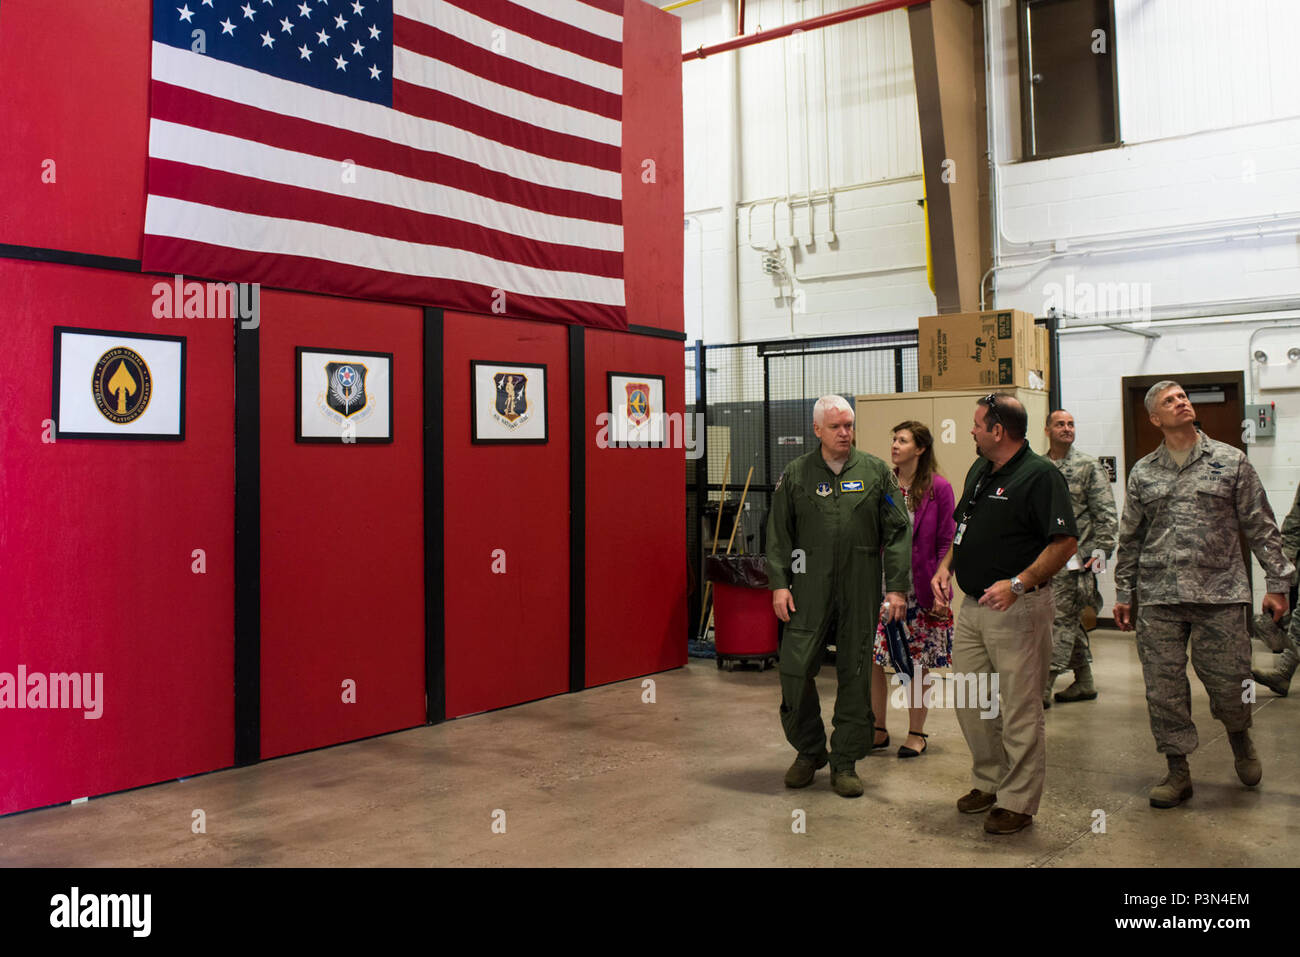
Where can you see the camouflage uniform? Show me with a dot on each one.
(1279, 678)
(1094, 514)
(1180, 559)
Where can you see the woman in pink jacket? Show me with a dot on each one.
(930, 501)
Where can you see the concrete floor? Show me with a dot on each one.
(602, 779)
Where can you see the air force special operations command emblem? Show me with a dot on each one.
(512, 408)
(121, 385)
(347, 387)
(344, 398)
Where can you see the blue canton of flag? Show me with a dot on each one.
(342, 46)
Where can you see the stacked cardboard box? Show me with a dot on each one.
(971, 350)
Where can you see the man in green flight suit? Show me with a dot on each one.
(835, 512)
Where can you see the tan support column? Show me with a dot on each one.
(945, 37)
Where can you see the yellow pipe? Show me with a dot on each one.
(679, 4)
(929, 254)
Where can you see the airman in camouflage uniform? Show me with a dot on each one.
(1187, 503)
(1278, 679)
(1073, 589)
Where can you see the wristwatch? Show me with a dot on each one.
(1017, 586)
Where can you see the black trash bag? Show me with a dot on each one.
(744, 571)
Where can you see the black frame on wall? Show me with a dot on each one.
(298, 352)
(474, 403)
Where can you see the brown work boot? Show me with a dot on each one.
(845, 782)
(803, 770)
(1177, 785)
(976, 802)
(1247, 761)
(1002, 821)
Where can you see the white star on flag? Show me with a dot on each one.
(186, 13)
(227, 26)
(340, 63)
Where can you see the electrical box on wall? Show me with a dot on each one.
(1262, 417)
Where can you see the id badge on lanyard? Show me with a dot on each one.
(970, 510)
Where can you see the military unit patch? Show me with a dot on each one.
(511, 409)
(346, 394)
(638, 403)
(823, 489)
(121, 385)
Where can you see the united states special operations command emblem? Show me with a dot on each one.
(638, 404)
(512, 408)
(121, 385)
(345, 398)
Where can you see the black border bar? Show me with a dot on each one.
(435, 560)
(577, 508)
(248, 547)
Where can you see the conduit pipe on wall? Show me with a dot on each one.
(812, 23)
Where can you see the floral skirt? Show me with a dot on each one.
(930, 642)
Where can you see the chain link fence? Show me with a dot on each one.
(757, 401)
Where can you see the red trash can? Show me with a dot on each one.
(744, 625)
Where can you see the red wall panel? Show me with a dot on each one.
(507, 636)
(342, 538)
(96, 538)
(652, 130)
(75, 82)
(636, 524)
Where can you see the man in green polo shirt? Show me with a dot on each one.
(1015, 530)
(837, 517)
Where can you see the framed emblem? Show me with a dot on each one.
(508, 402)
(344, 395)
(118, 385)
(636, 410)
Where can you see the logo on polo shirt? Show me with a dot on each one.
(998, 494)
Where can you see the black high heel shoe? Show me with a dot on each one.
(906, 752)
(882, 744)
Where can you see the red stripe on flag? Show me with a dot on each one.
(166, 255)
(609, 6)
(261, 198)
(482, 61)
(432, 105)
(544, 29)
(188, 108)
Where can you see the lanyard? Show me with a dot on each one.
(975, 496)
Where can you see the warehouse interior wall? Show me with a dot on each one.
(1200, 206)
(103, 536)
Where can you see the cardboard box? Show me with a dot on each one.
(974, 350)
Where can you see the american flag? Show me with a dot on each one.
(460, 153)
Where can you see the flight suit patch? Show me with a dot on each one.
(823, 489)
(851, 486)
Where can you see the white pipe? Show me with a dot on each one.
(730, 185)
(1224, 319)
(826, 126)
(991, 133)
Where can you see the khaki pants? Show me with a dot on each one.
(1008, 753)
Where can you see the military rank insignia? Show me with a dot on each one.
(121, 385)
(512, 409)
